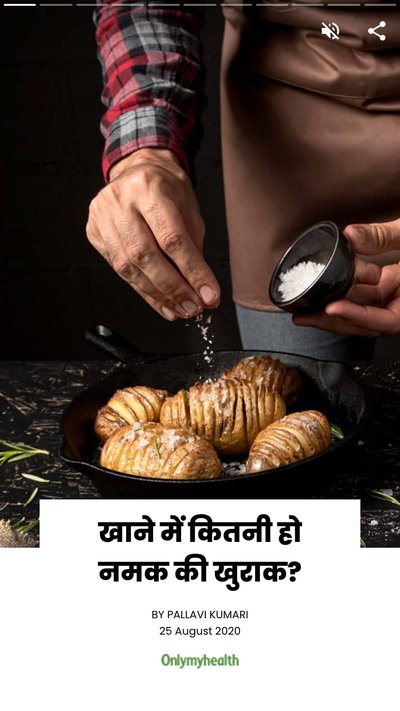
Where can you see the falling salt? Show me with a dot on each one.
(203, 324)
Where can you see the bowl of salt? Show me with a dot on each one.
(316, 269)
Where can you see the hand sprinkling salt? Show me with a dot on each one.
(298, 278)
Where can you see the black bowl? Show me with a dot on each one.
(325, 244)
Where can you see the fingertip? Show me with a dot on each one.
(356, 233)
(209, 296)
(168, 314)
(216, 304)
(332, 309)
(338, 309)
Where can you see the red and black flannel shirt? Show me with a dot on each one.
(153, 77)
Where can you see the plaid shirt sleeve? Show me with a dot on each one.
(153, 77)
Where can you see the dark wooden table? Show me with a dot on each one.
(34, 394)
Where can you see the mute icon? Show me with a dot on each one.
(332, 30)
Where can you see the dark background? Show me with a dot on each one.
(53, 285)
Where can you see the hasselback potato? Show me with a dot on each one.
(291, 439)
(155, 451)
(128, 406)
(228, 413)
(270, 372)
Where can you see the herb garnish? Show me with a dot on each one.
(157, 446)
(33, 477)
(383, 497)
(336, 432)
(31, 497)
(17, 450)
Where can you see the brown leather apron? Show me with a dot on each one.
(310, 130)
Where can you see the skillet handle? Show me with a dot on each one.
(114, 345)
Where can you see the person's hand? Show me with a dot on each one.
(372, 306)
(146, 223)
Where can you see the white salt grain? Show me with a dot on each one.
(298, 278)
(203, 324)
(233, 468)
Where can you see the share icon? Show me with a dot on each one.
(373, 30)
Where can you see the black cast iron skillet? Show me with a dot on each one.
(328, 387)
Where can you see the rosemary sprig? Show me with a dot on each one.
(32, 496)
(33, 477)
(15, 451)
(336, 432)
(23, 526)
(18, 523)
(383, 497)
(157, 446)
(97, 455)
(28, 526)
